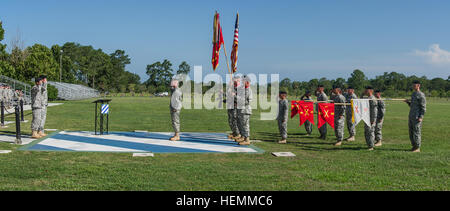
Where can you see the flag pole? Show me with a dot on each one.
(226, 58)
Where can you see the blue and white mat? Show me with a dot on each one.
(156, 142)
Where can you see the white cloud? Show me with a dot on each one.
(435, 55)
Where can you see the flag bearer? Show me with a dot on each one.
(36, 107)
(175, 108)
(349, 95)
(244, 111)
(380, 118)
(417, 110)
(369, 131)
(339, 112)
(283, 113)
(232, 108)
(321, 96)
(308, 125)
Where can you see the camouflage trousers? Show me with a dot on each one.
(308, 127)
(282, 127)
(415, 132)
(323, 130)
(378, 128)
(232, 121)
(175, 120)
(36, 121)
(339, 124)
(350, 126)
(43, 118)
(243, 123)
(369, 132)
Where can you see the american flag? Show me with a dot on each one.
(234, 51)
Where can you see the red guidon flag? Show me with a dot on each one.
(306, 111)
(234, 51)
(294, 108)
(326, 114)
(217, 41)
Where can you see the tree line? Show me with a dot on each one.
(392, 84)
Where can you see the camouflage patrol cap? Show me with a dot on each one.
(246, 78)
(236, 77)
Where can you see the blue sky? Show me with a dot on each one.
(298, 39)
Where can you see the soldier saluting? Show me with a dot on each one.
(321, 96)
(308, 125)
(369, 131)
(349, 95)
(44, 104)
(175, 108)
(417, 105)
(380, 119)
(339, 112)
(36, 107)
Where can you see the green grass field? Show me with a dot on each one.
(318, 164)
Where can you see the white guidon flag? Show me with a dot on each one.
(360, 111)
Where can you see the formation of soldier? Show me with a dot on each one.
(239, 96)
(343, 114)
(39, 103)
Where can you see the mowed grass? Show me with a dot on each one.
(318, 164)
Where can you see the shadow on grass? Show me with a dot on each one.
(306, 146)
(271, 137)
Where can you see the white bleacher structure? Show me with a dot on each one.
(68, 91)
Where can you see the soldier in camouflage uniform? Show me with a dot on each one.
(380, 118)
(8, 96)
(369, 131)
(2, 91)
(36, 106)
(349, 95)
(175, 108)
(244, 111)
(417, 111)
(2, 98)
(44, 95)
(308, 125)
(321, 96)
(283, 113)
(232, 108)
(339, 112)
